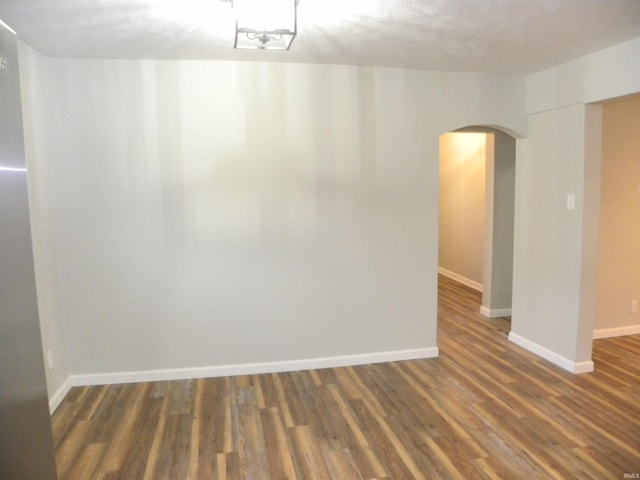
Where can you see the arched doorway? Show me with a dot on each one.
(476, 217)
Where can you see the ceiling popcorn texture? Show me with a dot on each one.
(491, 36)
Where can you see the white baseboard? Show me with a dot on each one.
(616, 332)
(496, 312)
(460, 279)
(553, 357)
(251, 368)
(56, 399)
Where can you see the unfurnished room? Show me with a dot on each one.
(307, 239)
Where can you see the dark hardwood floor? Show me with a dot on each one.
(484, 409)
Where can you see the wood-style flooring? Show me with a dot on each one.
(484, 409)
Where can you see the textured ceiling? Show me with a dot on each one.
(493, 36)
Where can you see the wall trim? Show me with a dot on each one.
(553, 357)
(616, 332)
(496, 312)
(251, 368)
(56, 399)
(460, 279)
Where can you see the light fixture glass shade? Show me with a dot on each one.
(265, 24)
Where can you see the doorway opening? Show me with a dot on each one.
(618, 260)
(476, 214)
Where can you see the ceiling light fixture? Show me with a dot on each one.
(265, 24)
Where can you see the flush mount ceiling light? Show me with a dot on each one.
(265, 24)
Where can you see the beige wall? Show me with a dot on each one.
(619, 256)
(462, 206)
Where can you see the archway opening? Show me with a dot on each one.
(476, 214)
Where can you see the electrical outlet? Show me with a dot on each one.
(634, 306)
(50, 360)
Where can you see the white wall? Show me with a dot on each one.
(548, 237)
(500, 198)
(219, 213)
(555, 249)
(169, 194)
(609, 73)
(43, 226)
